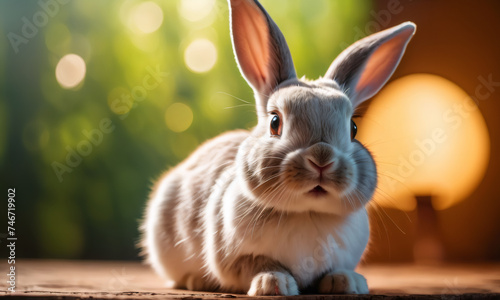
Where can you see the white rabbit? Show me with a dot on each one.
(279, 209)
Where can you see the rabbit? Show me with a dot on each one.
(280, 209)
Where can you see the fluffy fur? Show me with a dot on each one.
(275, 214)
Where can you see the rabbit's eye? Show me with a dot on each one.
(354, 129)
(276, 125)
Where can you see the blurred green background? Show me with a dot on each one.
(91, 207)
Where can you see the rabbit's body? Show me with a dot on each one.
(281, 208)
(200, 246)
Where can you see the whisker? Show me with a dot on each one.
(233, 96)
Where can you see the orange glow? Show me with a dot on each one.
(428, 137)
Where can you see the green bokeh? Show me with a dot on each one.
(95, 210)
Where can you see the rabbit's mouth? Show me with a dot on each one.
(318, 191)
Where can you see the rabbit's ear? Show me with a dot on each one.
(260, 48)
(364, 67)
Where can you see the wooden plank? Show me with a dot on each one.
(59, 279)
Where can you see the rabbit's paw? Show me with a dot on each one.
(343, 282)
(273, 283)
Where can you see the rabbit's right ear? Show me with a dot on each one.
(260, 48)
(364, 67)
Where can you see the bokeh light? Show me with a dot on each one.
(200, 56)
(178, 117)
(196, 10)
(428, 137)
(146, 17)
(70, 71)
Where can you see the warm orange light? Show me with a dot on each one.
(428, 137)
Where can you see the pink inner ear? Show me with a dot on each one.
(251, 38)
(382, 64)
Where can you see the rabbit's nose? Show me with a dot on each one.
(320, 168)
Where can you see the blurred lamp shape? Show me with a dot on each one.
(70, 71)
(196, 10)
(200, 56)
(428, 137)
(146, 17)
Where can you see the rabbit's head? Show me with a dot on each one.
(303, 155)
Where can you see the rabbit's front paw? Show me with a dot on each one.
(343, 282)
(273, 283)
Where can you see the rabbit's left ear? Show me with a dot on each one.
(260, 48)
(362, 69)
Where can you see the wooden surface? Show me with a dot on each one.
(131, 280)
